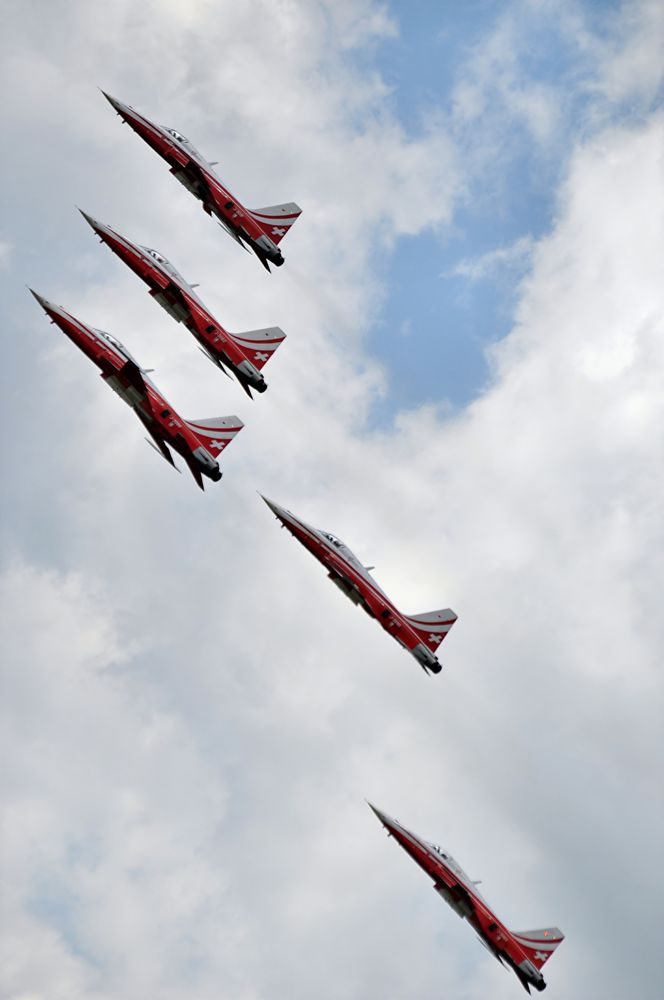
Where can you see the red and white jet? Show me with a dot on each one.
(199, 442)
(260, 229)
(523, 951)
(421, 634)
(244, 354)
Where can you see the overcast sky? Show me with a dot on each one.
(470, 395)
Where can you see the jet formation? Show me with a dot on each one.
(257, 229)
(199, 442)
(523, 951)
(420, 634)
(244, 354)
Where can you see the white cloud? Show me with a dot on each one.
(498, 90)
(516, 256)
(628, 55)
(546, 73)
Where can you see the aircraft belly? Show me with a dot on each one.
(173, 153)
(153, 275)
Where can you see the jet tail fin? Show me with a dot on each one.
(216, 433)
(259, 345)
(539, 945)
(432, 626)
(276, 220)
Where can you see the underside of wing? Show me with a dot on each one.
(455, 895)
(192, 177)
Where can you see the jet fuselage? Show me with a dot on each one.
(175, 295)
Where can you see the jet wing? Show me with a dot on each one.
(456, 895)
(130, 373)
(134, 376)
(338, 568)
(159, 441)
(448, 887)
(193, 177)
(231, 232)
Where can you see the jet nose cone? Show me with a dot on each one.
(44, 303)
(88, 218)
(118, 105)
(385, 820)
(275, 508)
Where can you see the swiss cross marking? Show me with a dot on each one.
(276, 231)
(541, 956)
(218, 444)
(261, 356)
(435, 639)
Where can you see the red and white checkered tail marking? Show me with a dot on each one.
(259, 345)
(276, 220)
(217, 433)
(540, 945)
(432, 626)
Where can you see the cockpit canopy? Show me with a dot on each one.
(118, 346)
(440, 851)
(176, 135)
(157, 256)
(343, 549)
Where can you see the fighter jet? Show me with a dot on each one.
(523, 951)
(199, 442)
(421, 634)
(244, 354)
(260, 229)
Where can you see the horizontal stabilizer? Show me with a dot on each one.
(432, 626)
(164, 452)
(490, 949)
(539, 945)
(215, 433)
(276, 220)
(231, 232)
(259, 345)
